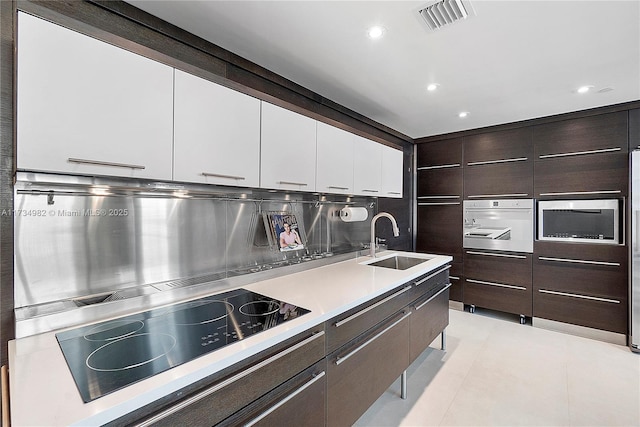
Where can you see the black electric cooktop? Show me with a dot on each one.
(107, 356)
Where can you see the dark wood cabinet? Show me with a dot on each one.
(498, 280)
(439, 154)
(456, 277)
(498, 164)
(581, 284)
(585, 157)
(440, 229)
(430, 315)
(360, 372)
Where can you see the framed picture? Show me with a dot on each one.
(283, 231)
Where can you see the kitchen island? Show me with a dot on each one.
(40, 378)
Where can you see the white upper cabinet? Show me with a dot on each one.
(288, 150)
(391, 174)
(366, 170)
(216, 134)
(334, 160)
(87, 107)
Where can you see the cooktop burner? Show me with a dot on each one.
(107, 356)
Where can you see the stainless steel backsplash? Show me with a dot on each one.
(77, 237)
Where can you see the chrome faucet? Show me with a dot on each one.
(396, 232)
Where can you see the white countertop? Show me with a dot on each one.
(43, 392)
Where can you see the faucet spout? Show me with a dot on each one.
(394, 224)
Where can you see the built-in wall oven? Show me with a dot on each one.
(504, 224)
(586, 221)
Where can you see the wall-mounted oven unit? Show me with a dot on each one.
(580, 221)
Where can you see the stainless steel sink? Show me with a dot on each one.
(399, 262)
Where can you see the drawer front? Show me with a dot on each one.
(349, 394)
(429, 284)
(498, 146)
(439, 153)
(580, 310)
(500, 180)
(443, 183)
(511, 268)
(346, 327)
(600, 132)
(212, 400)
(429, 318)
(589, 175)
(456, 277)
(440, 228)
(301, 401)
(498, 296)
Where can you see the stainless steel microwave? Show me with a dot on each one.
(586, 221)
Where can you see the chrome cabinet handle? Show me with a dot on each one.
(102, 163)
(499, 285)
(335, 187)
(432, 275)
(393, 192)
(580, 261)
(496, 255)
(438, 203)
(308, 384)
(433, 297)
(371, 191)
(580, 153)
(567, 294)
(491, 162)
(571, 193)
(218, 175)
(454, 277)
(371, 307)
(453, 165)
(219, 386)
(480, 196)
(292, 183)
(342, 359)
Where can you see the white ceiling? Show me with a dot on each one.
(513, 60)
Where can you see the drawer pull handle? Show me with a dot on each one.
(308, 384)
(439, 204)
(578, 193)
(335, 187)
(484, 196)
(454, 277)
(218, 175)
(339, 359)
(420, 282)
(102, 163)
(439, 197)
(393, 192)
(371, 307)
(453, 165)
(293, 183)
(580, 261)
(225, 383)
(370, 191)
(499, 285)
(580, 153)
(566, 294)
(497, 255)
(492, 162)
(433, 297)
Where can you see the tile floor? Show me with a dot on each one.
(496, 372)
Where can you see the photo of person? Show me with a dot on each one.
(285, 233)
(289, 239)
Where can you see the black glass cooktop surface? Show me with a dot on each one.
(107, 356)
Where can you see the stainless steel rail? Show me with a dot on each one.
(580, 153)
(340, 360)
(496, 254)
(491, 162)
(371, 307)
(103, 163)
(418, 307)
(421, 281)
(453, 165)
(579, 261)
(567, 294)
(499, 285)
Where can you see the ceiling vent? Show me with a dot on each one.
(444, 12)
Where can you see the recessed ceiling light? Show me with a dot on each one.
(463, 114)
(375, 32)
(584, 89)
(432, 87)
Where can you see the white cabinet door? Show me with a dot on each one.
(334, 172)
(288, 150)
(216, 134)
(87, 107)
(366, 170)
(391, 174)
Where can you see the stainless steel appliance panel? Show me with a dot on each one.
(502, 224)
(634, 323)
(580, 221)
